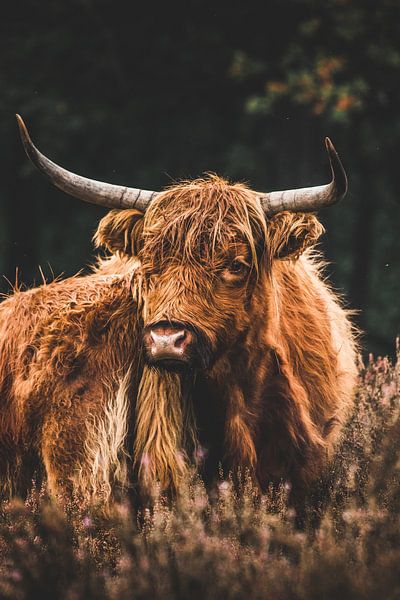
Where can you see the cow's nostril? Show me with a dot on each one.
(180, 338)
(175, 341)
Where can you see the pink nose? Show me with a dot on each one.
(167, 342)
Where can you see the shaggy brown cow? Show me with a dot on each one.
(209, 330)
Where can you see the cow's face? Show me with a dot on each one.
(203, 246)
(194, 310)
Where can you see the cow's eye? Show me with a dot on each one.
(238, 266)
(236, 270)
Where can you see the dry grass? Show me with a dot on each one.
(234, 544)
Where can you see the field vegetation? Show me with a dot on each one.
(231, 544)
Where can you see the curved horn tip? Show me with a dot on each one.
(20, 122)
(338, 172)
(329, 145)
(23, 130)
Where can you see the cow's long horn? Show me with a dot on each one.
(89, 190)
(310, 199)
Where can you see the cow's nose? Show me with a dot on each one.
(166, 342)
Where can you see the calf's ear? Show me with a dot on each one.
(120, 232)
(289, 234)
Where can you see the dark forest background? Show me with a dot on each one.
(145, 93)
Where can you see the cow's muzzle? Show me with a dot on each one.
(174, 345)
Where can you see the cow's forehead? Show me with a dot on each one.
(202, 220)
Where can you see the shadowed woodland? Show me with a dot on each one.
(144, 97)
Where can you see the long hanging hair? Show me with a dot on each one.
(165, 433)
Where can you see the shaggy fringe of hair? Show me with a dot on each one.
(203, 218)
(165, 429)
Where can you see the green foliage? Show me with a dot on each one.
(321, 67)
(233, 543)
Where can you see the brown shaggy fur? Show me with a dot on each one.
(77, 400)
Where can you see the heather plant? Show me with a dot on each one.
(230, 543)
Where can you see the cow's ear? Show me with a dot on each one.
(120, 231)
(289, 234)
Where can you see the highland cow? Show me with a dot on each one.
(207, 337)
